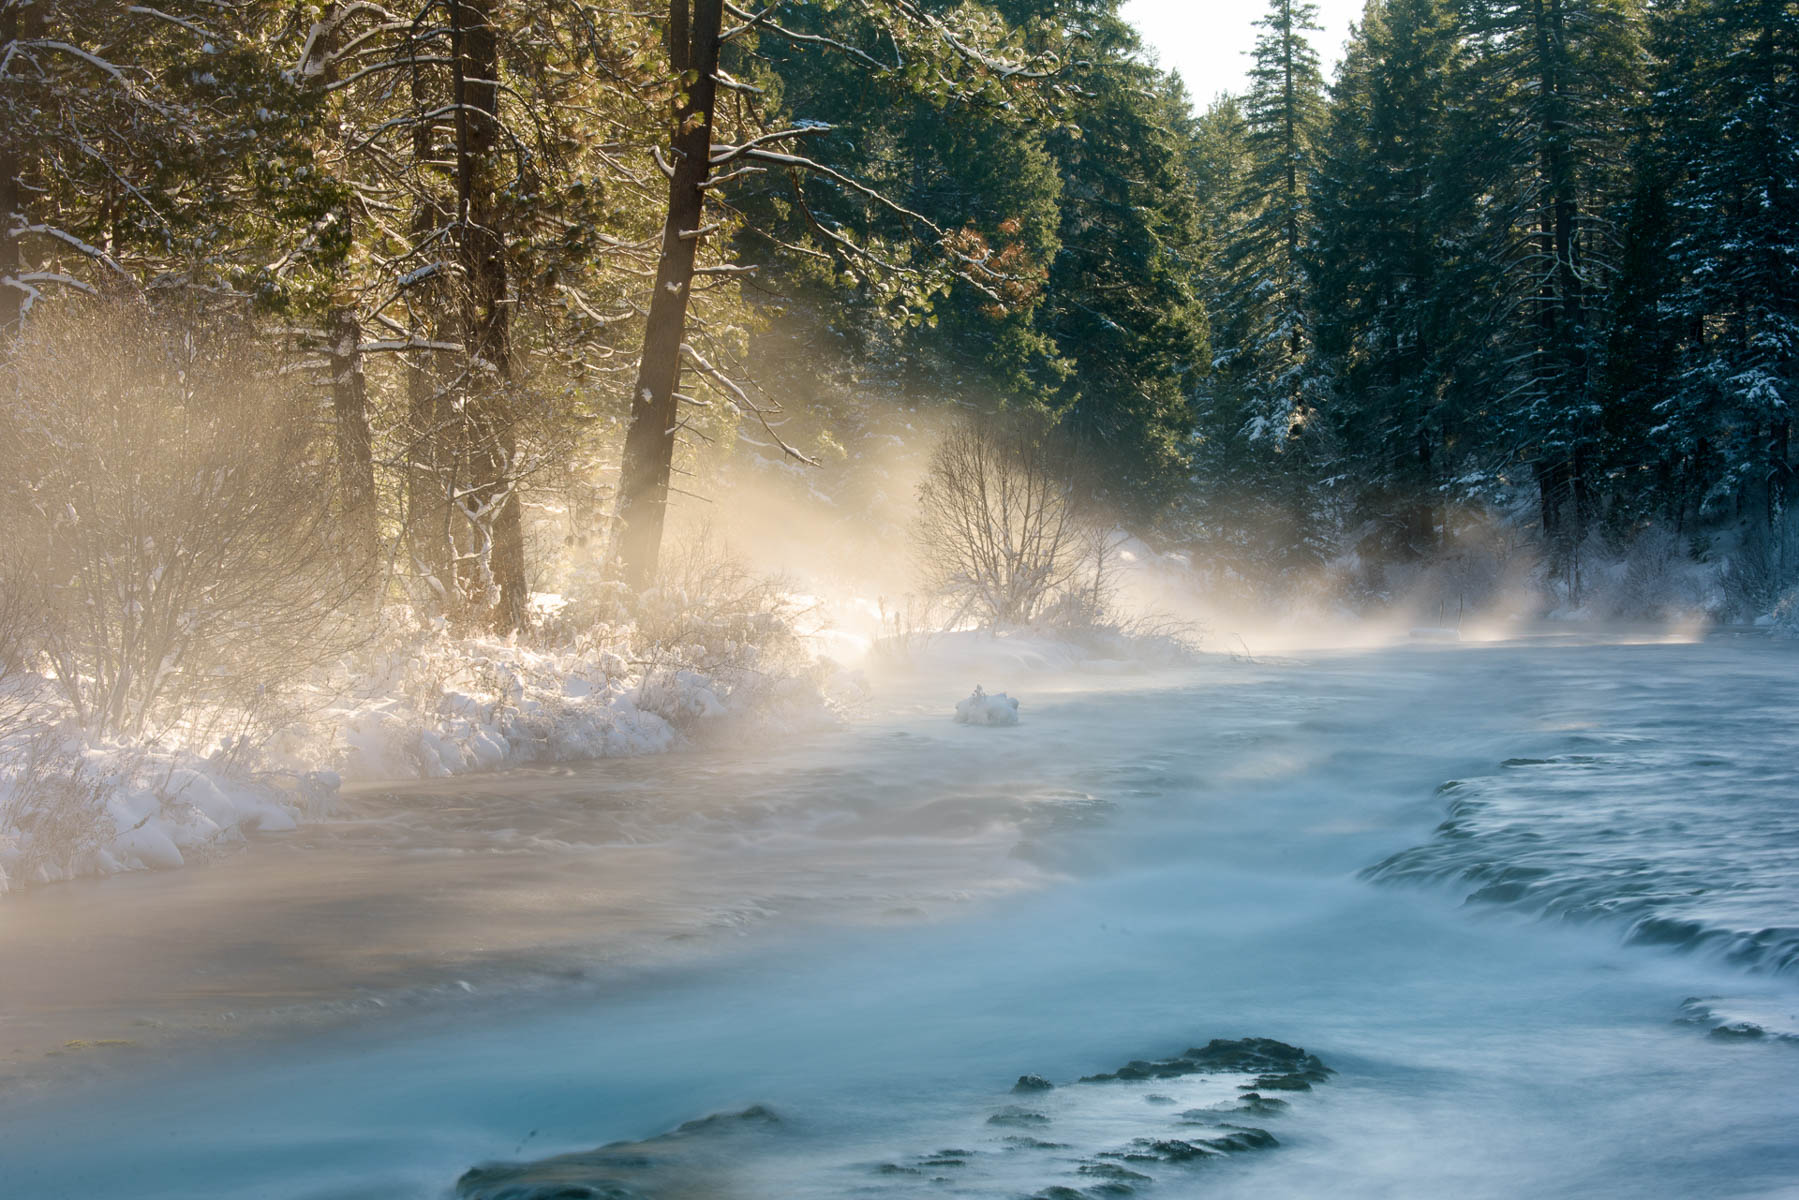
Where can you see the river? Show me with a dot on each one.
(1534, 904)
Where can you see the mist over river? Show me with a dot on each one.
(1532, 905)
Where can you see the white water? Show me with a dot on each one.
(1192, 849)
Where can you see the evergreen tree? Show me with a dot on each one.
(1731, 83)
(1554, 85)
(1270, 351)
(1389, 213)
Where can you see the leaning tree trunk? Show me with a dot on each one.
(490, 497)
(693, 47)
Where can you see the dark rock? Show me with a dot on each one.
(1060, 1193)
(685, 1160)
(1020, 1142)
(1114, 1171)
(1032, 1083)
(1012, 1115)
(1158, 1099)
(1740, 1031)
(896, 1169)
(1280, 1083)
(1264, 1058)
(1243, 1137)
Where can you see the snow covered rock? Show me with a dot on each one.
(982, 709)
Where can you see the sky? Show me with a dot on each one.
(1208, 41)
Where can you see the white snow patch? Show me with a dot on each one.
(982, 709)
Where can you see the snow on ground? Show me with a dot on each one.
(433, 706)
(72, 805)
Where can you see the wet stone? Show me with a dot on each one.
(695, 1157)
(1013, 1115)
(1740, 1031)
(1280, 1083)
(1032, 1083)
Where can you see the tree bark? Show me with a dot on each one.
(490, 496)
(17, 20)
(427, 405)
(355, 445)
(693, 29)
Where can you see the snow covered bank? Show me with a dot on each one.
(432, 706)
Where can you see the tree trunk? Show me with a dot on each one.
(650, 440)
(1562, 299)
(355, 445)
(17, 20)
(343, 354)
(490, 495)
(427, 406)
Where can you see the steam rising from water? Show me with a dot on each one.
(1192, 844)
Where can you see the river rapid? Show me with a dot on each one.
(1532, 905)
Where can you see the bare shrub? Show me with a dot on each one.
(906, 627)
(176, 526)
(1004, 526)
(1485, 564)
(52, 811)
(1651, 577)
(20, 686)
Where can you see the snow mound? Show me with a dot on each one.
(982, 709)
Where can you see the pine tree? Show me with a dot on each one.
(1388, 209)
(1553, 85)
(1731, 83)
(1283, 112)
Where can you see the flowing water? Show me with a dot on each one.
(1531, 905)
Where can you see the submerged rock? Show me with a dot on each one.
(693, 1161)
(1154, 1124)
(1275, 1065)
(1012, 1115)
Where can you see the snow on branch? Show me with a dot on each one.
(742, 400)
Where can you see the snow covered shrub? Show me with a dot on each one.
(1486, 564)
(176, 524)
(1654, 577)
(712, 635)
(1785, 617)
(1089, 611)
(20, 687)
(1005, 526)
(52, 811)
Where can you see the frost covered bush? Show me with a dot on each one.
(713, 635)
(175, 530)
(1784, 619)
(1653, 577)
(52, 811)
(431, 704)
(1485, 565)
(1005, 525)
